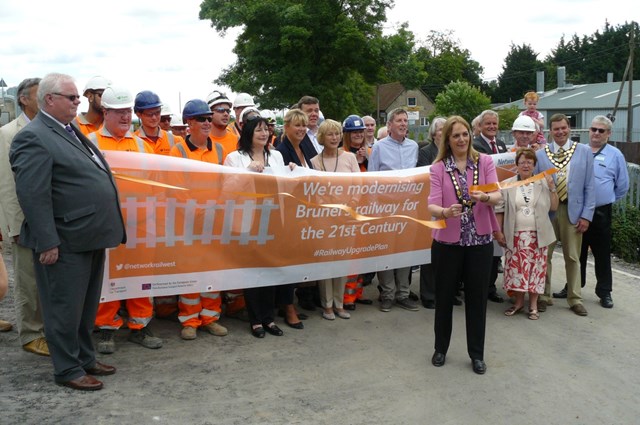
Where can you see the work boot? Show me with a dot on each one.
(561, 294)
(214, 328)
(106, 342)
(5, 326)
(188, 333)
(145, 338)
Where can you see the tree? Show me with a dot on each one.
(461, 98)
(290, 48)
(518, 74)
(399, 60)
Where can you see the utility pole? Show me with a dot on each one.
(630, 97)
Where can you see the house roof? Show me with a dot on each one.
(585, 96)
(389, 92)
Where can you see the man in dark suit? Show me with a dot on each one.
(72, 215)
(487, 142)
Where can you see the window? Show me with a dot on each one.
(424, 121)
(411, 101)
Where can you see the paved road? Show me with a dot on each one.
(372, 369)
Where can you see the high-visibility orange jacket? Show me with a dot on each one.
(214, 153)
(129, 143)
(85, 126)
(353, 289)
(163, 144)
(229, 141)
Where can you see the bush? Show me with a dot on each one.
(626, 233)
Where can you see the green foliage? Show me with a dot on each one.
(626, 233)
(290, 48)
(399, 61)
(507, 117)
(518, 74)
(588, 59)
(461, 98)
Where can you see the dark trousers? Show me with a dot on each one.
(427, 283)
(69, 293)
(494, 275)
(598, 237)
(260, 304)
(472, 266)
(284, 294)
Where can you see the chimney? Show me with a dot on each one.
(539, 82)
(609, 77)
(562, 75)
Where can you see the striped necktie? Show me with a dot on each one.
(561, 181)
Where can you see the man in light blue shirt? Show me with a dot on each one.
(611, 183)
(395, 152)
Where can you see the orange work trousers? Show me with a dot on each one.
(165, 306)
(197, 310)
(352, 289)
(140, 313)
(234, 301)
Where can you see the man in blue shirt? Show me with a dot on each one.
(611, 184)
(395, 152)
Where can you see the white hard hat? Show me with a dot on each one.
(96, 83)
(165, 110)
(524, 123)
(247, 111)
(216, 98)
(268, 115)
(116, 97)
(176, 121)
(243, 99)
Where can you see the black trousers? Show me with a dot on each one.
(427, 283)
(260, 304)
(598, 237)
(69, 293)
(472, 266)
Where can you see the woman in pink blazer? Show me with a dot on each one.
(462, 251)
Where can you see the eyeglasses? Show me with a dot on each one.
(202, 118)
(221, 110)
(526, 162)
(71, 97)
(152, 114)
(165, 118)
(598, 130)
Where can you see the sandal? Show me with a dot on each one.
(512, 310)
(533, 315)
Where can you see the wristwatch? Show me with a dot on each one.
(552, 190)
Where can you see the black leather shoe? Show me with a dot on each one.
(298, 325)
(496, 298)
(257, 332)
(274, 330)
(350, 307)
(430, 304)
(479, 366)
(301, 316)
(438, 359)
(413, 296)
(561, 294)
(606, 301)
(364, 301)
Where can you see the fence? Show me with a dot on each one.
(633, 195)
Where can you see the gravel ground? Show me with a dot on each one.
(372, 369)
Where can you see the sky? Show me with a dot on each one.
(162, 45)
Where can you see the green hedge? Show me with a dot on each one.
(626, 233)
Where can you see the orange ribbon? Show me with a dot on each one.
(492, 187)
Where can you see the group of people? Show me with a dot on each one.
(59, 229)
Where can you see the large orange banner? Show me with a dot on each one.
(198, 227)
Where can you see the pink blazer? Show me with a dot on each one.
(443, 194)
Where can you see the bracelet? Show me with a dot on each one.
(443, 214)
(554, 190)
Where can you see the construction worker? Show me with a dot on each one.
(199, 310)
(165, 118)
(271, 125)
(178, 128)
(148, 109)
(221, 131)
(115, 135)
(90, 121)
(243, 100)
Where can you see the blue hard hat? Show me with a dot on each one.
(194, 108)
(146, 100)
(352, 123)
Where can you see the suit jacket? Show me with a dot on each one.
(11, 216)
(427, 154)
(581, 193)
(443, 194)
(541, 205)
(68, 200)
(289, 154)
(482, 146)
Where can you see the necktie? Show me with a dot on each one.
(493, 146)
(561, 183)
(77, 139)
